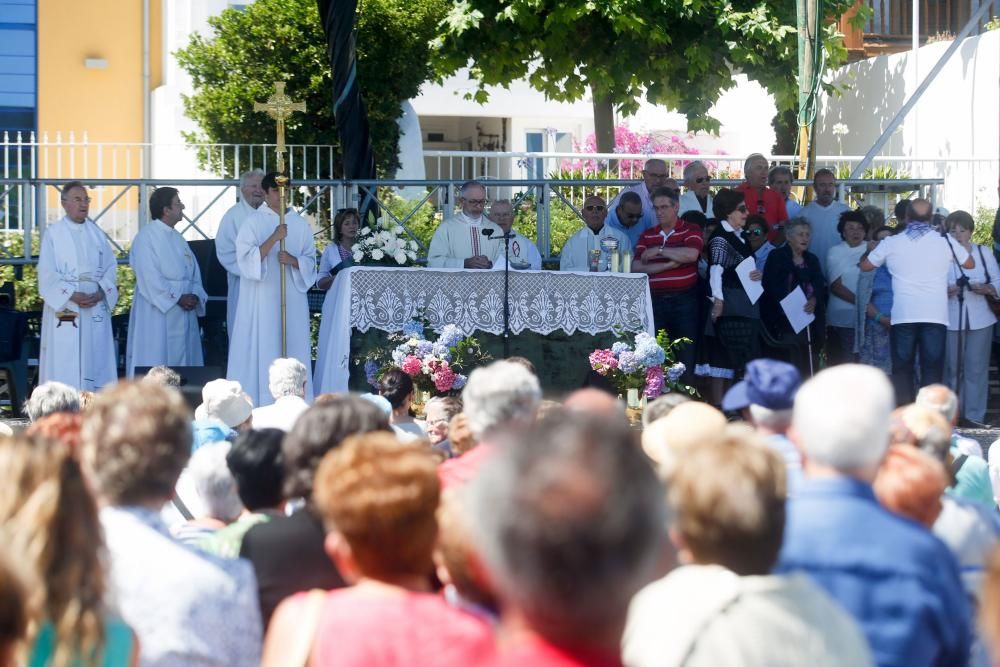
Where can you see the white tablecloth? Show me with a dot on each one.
(363, 297)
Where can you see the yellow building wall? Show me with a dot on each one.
(105, 104)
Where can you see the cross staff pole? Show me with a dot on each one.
(280, 106)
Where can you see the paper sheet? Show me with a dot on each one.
(793, 305)
(753, 288)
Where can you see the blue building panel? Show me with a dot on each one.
(18, 65)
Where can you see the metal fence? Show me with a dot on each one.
(969, 180)
(318, 200)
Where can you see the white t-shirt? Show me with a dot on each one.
(823, 221)
(842, 262)
(919, 269)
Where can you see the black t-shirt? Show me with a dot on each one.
(288, 557)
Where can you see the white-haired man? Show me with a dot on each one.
(460, 242)
(760, 199)
(287, 381)
(251, 197)
(523, 251)
(51, 397)
(501, 397)
(897, 580)
(697, 196)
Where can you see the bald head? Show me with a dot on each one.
(595, 402)
(595, 210)
(940, 399)
(654, 174)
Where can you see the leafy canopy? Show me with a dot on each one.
(677, 53)
(269, 40)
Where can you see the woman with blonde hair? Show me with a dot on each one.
(49, 524)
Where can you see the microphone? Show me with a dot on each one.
(487, 232)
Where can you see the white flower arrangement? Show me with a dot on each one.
(388, 242)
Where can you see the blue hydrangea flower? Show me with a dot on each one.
(450, 335)
(459, 381)
(620, 347)
(675, 372)
(413, 329)
(424, 347)
(398, 355)
(648, 350)
(628, 362)
(371, 372)
(439, 349)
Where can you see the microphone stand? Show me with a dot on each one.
(488, 233)
(963, 321)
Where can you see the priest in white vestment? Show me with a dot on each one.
(169, 297)
(459, 242)
(251, 197)
(76, 279)
(575, 255)
(257, 329)
(523, 252)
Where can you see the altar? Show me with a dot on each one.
(384, 298)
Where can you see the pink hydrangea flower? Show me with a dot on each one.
(654, 381)
(444, 378)
(411, 365)
(603, 360)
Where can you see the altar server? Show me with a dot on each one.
(256, 339)
(169, 297)
(76, 279)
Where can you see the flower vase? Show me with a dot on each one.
(418, 406)
(633, 407)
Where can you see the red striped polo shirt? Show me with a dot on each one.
(684, 235)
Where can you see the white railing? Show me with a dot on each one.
(969, 181)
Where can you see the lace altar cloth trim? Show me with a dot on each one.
(540, 301)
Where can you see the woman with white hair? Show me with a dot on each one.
(286, 380)
(216, 502)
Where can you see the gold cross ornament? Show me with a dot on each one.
(280, 106)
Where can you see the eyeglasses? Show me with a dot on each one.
(598, 208)
(475, 202)
(652, 174)
(703, 179)
(742, 208)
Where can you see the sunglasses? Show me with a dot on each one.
(630, 216)
(597, 207)
(655, 175)
(703, 179)
(757, 232)
(742, 208)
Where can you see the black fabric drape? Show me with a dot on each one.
(337, 17)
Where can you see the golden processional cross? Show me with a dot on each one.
(280, 106)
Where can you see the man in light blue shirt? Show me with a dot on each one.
(654, 175)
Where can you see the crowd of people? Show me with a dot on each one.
(825, 526)
(916, 299)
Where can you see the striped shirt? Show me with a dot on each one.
(683, 235)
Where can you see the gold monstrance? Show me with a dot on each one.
(280, 106)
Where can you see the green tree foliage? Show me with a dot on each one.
(677, 53)
(270, 40)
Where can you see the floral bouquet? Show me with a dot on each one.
(385, 244)
(436, 366)
(648, 365)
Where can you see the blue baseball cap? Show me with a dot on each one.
(769, 383)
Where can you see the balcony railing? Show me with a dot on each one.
(892, 20)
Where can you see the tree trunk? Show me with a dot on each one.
(604, 127)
